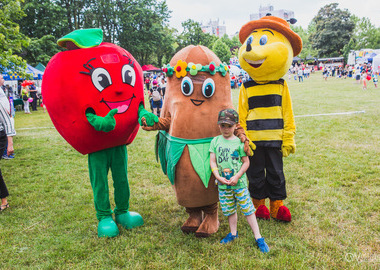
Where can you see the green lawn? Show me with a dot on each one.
(333, 183)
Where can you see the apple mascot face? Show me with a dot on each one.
(97, 80)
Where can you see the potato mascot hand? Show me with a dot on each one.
(106, 123)
(288, 149)
(249, 146)
(149, 118)
(161, 124)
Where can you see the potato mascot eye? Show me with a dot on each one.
(187, 87)
(128, 75)
(263, 40)
(208, 88)
(101, 79)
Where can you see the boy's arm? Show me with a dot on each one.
(244, 167)
(214, 169)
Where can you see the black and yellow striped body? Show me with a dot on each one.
(266, 113)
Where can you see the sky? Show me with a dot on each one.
(235, 13)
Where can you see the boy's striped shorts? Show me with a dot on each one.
(230, 197)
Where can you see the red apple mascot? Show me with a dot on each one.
(94, 95)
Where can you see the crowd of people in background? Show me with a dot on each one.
(362, 73)
(155, 85)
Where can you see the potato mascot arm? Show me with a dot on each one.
(243, 113)
(288, 144)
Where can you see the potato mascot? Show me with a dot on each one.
(198, 88)
(265, 109)
(94, 95)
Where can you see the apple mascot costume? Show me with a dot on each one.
(198, 87)
(265, 109)
(94, 95)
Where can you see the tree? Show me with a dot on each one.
(40, 50)
(192, 34)
(366, 35)
(141, 28)
(307, 49)
(222, 50)
(43, 17)
(334, 28)
(11, 40)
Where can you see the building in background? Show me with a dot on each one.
(214, 28)
(264, 10)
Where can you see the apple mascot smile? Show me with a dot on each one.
(94, 95)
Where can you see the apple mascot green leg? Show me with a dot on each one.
(94, 95)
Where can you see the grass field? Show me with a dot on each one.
(333, 183)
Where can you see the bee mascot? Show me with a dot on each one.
(265, 109)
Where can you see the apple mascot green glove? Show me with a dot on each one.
(94, 95)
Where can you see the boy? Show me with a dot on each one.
(228, 164)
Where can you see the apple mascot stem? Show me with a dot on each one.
(94, 95)
(265, 109)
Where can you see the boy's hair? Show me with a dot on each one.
(228, 116)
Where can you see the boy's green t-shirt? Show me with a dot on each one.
(228, 159)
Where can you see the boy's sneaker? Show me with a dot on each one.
(8, 157)
(262, 245)
(229, 238)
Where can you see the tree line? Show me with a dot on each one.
(29, 30)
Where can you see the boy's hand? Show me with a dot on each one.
(223, 180)
(233, 180)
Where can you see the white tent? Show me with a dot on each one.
(376, 63)
(235, 71)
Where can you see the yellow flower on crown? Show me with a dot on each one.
(180, 69)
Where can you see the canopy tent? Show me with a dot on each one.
(235, 71)
(10, 75)
(376, 63)
(40, 67)
(150, 68)
(296, 59)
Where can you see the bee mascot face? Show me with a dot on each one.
(268, 47)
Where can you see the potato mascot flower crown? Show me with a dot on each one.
(181, 69)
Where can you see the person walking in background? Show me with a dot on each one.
(375, 78)
(33, 94)
(300, 74)
(163, 87)
(6, 137)
(364, 80)
(25, 98)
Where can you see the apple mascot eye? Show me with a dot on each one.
(187, 87)
(208, 88)
(128, 75)
(101, 78)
